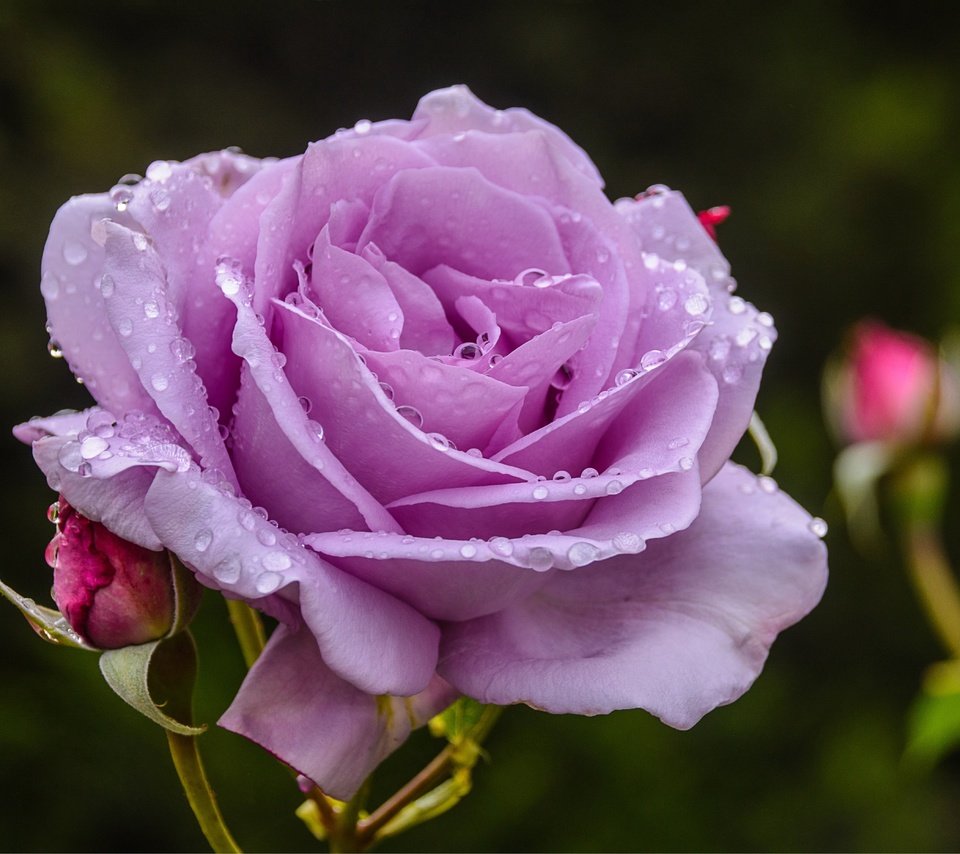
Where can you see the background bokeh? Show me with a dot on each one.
(832, 130)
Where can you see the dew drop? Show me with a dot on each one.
(411, 414)
(92, 447)
(159, 170)
(818, 527)
(627, 542)
(732, 374)
(540, 492)
(74, 253)
(767, 484)
(764, 318)
(468, 351)
(228, 570)
(54, 349)
(626, 375)
(53, 512)
(736, 305)
(305, 404)
(277, 561)
(160, 382)
(49, 286)
(579, 489)
(439, 442)
(589, 472)
(685, 463)
(696, 304)
(561, 475)
(651, 359)
(541, 559)
(106, 285)
(666, 299)
(70, 457)
(580, 554)
(667, 528)
(125, 326)
(201, 542)
(679, 442)
(614, 487)
(151, 310)
(267, 582)
(140, 241)
(267, 536)
(468, 550)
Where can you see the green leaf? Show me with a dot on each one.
(50, 624)
(157, 678)
(934, 728)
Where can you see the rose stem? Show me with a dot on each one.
(203, 802)
(249, 629)
(431, 774)
(921, 489)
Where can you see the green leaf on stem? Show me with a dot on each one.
(157, 679)
(48, 623)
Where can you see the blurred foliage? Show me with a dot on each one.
(832, 131)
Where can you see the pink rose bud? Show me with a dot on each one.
(114, 593)
(892, 386)
(712, 217)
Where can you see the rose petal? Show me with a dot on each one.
(678, 631)
(346, 167)
(465, 406)
(367, 637)
(71, 273)
(354, 297)
(460, 578)
(737, 340)
(146, 324)
(425, 217)
(425, 325)
(456, 109)
(266, 368)
(208, 318)
(382, 449)
(293, 705)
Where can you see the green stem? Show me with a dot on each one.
(249, 629)
(441, 765)
(934, 581)
(203, 802)
(344, 837)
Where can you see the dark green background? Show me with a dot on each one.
(831, 129)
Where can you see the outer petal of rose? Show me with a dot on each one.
(71, 269)
(277, 396)
(458, 579)
(146, 324)
(331, 170)
(678, 631)
(465, 406)
(119, 468)
(362, 428)
(293, 705)
(737, 340)
(354, 296)
(208, 318)
(291, 476)
(675, 400)
(425, 217)
(425, 325)
(456, 109)
(367, 637)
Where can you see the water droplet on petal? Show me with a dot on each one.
(628, 543)
(159, 171)
(561, 475)
(501, 546)
(268, 582)
(267, 536)
(54, 349)
(468, 550)
(277, 561)
(696, 304)
(765, 319)
(160, 382)
(201, 542)
(580, 554)
(652, 359)
(818, 527)
(685, 463)
(541, 559)
(106, 285)
(679, 442)
(74, 253)
(49, 286)
(92, 447)
(411, 414)
(626, 376)
(228, 570)
(540, 492)
(767, 484)
(736, 305)
(440, 442)
(70, 457)
(614, 487)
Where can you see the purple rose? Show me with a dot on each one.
(426, 396)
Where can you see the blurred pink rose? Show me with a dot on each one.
(892, 386)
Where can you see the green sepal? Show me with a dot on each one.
(48, 623)
(187, 593)
(455, 721)
(157, 679)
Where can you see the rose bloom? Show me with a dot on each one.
(423, 394)
(891, 386)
